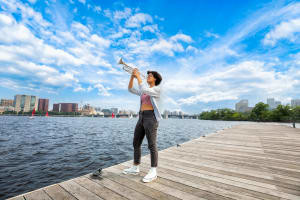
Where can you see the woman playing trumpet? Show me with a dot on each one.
(149, 116)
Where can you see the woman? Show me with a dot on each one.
(147, 124)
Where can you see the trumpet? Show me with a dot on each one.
(127, 68)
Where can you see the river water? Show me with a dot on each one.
(41, 151)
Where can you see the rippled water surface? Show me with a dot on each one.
(38, 152)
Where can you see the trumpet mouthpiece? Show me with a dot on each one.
(120, 61)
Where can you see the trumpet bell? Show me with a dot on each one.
(121, 61)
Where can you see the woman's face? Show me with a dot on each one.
(150, 78)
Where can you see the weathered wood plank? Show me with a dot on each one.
(173, 184)
(56, 192)
(136, 184)
(99, 190)
(202, 184)
(237, 172)
(174, 193)
(121, 189)
(39, 194)
(17, 198)
(78, 191)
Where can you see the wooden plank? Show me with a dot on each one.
(56, 192)
(172, 184)
(97, 189)
(237, 172)
(121, 189)
(201, 184)
(39, 194)
(243, 161)
(78, 191)
(172, 193)
(275, 163)
(249, 186)
(156, 193)
(17, 198)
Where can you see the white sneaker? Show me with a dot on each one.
(132, 170)
(150, 176)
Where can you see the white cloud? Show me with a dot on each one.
(285, 30)
(102, 91)
(166, 47)
(101, 42)
(181, 37)
(118, 15)
(6, 20)
(210, 34)
(82, 1)
(138, 19)
(151, 28)
(81, 30)
(97, 9)
(32, 1)
(209, 97)
(231, 83)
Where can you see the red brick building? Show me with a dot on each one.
(65, 107)
(43, 105)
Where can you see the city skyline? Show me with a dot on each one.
(42, 104)
(211, 54)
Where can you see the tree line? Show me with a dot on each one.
(260, 113)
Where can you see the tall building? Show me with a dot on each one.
(295, 102)
(277, 103)
(106, 111)
(56, 107)
(25, 103)
(114, 110)
(88, 110)
(271, 103)
(65, 107)
(43, 105)
(242, 106)
(6, 105)
(7, 102)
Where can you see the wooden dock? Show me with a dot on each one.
(255, 161)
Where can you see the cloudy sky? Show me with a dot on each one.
(210, 53)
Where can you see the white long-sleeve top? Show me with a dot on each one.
(154, 93)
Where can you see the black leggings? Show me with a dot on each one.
(146, 125)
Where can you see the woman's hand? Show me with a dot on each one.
(135, 73)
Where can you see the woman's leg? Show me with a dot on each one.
(151, 126)
(139, 134)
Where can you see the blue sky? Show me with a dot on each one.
(210, 54)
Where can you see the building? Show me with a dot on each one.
(277, 103)
(7, 102)
(65, 107)
(88, 110)
(271, 103)
(56, 107)
(114, 110)
(125, 112)
(295, 102)
(166, 114)
(25, 103)
(107, 111)
(242, 106)
(6, 108)
(98, 109)
(43, 105)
